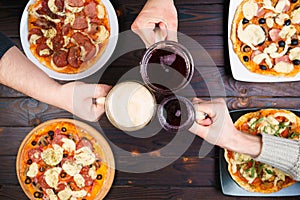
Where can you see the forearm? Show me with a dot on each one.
(245, 144)
(18, 72)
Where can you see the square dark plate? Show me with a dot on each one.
(231, 188)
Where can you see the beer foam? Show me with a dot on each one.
(131, 104)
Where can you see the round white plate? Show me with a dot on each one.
(114, 30)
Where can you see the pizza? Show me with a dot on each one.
(60, 161)
(265, 36)
(255, 176)
(68, 36)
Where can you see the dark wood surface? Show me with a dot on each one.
(188, 177)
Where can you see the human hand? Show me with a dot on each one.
(156, 12)
(218, 128)
(80, 99)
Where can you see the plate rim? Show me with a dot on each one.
(105, 147)
(239, 71)
(238, 191)
(106, 54)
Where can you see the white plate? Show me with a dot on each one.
(239, 71)
(114, 30)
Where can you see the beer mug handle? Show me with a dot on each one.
(100, 100)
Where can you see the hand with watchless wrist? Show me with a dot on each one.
(156, 13)
(218, 128)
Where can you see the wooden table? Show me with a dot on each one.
(188, 177)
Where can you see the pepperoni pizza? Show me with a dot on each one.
(68, 36)
(255, 176)
(60, 160)
(265, 35)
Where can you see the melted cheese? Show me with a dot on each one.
(33, 170)
(283, 67)
(280, 5)
(287, 31)
(92, 173)
(53, 156)
(248, 175)
(263, 56)
(281, 18)
(49, 43)
(53, 8)
(270, 22)
(65, 194)
(79, 180)
(101, 11)
(50, 33)
(45, 52)
(69, 145)
(290, 117)
(295, 16)
(51, 194)
(84, 156)
(294, 53)
(251, 35)
(278, 55)
(70, 18)
(272, 48)
(102, 35)
(71, 168)
(34, 38)
(79, 194)
(51, 176)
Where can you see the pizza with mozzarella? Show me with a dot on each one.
(68, 36)
(64, 159)
(255, 176)
(265, 35)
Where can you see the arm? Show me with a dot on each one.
(219, 130)
(18, 72)
(156, 12)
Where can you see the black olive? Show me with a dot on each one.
(65, 155)
(41, 169)
(99, 177)
(27, 180)
(245, 21)
(33, 143)
(294, 1)
(262, 21)
(294, 42)
(37, 194)
(63, 129)
(246, 58)
(51, 133)
(41, 195)
(260, 44)
(281, 43)
(263, 67)
(29, 161)
(296, 62)
(246, 48)
(287, 22)
(51, 137)
(63, 174)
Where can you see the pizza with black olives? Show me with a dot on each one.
(255, 176)
(60, 160)
(265, 35)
